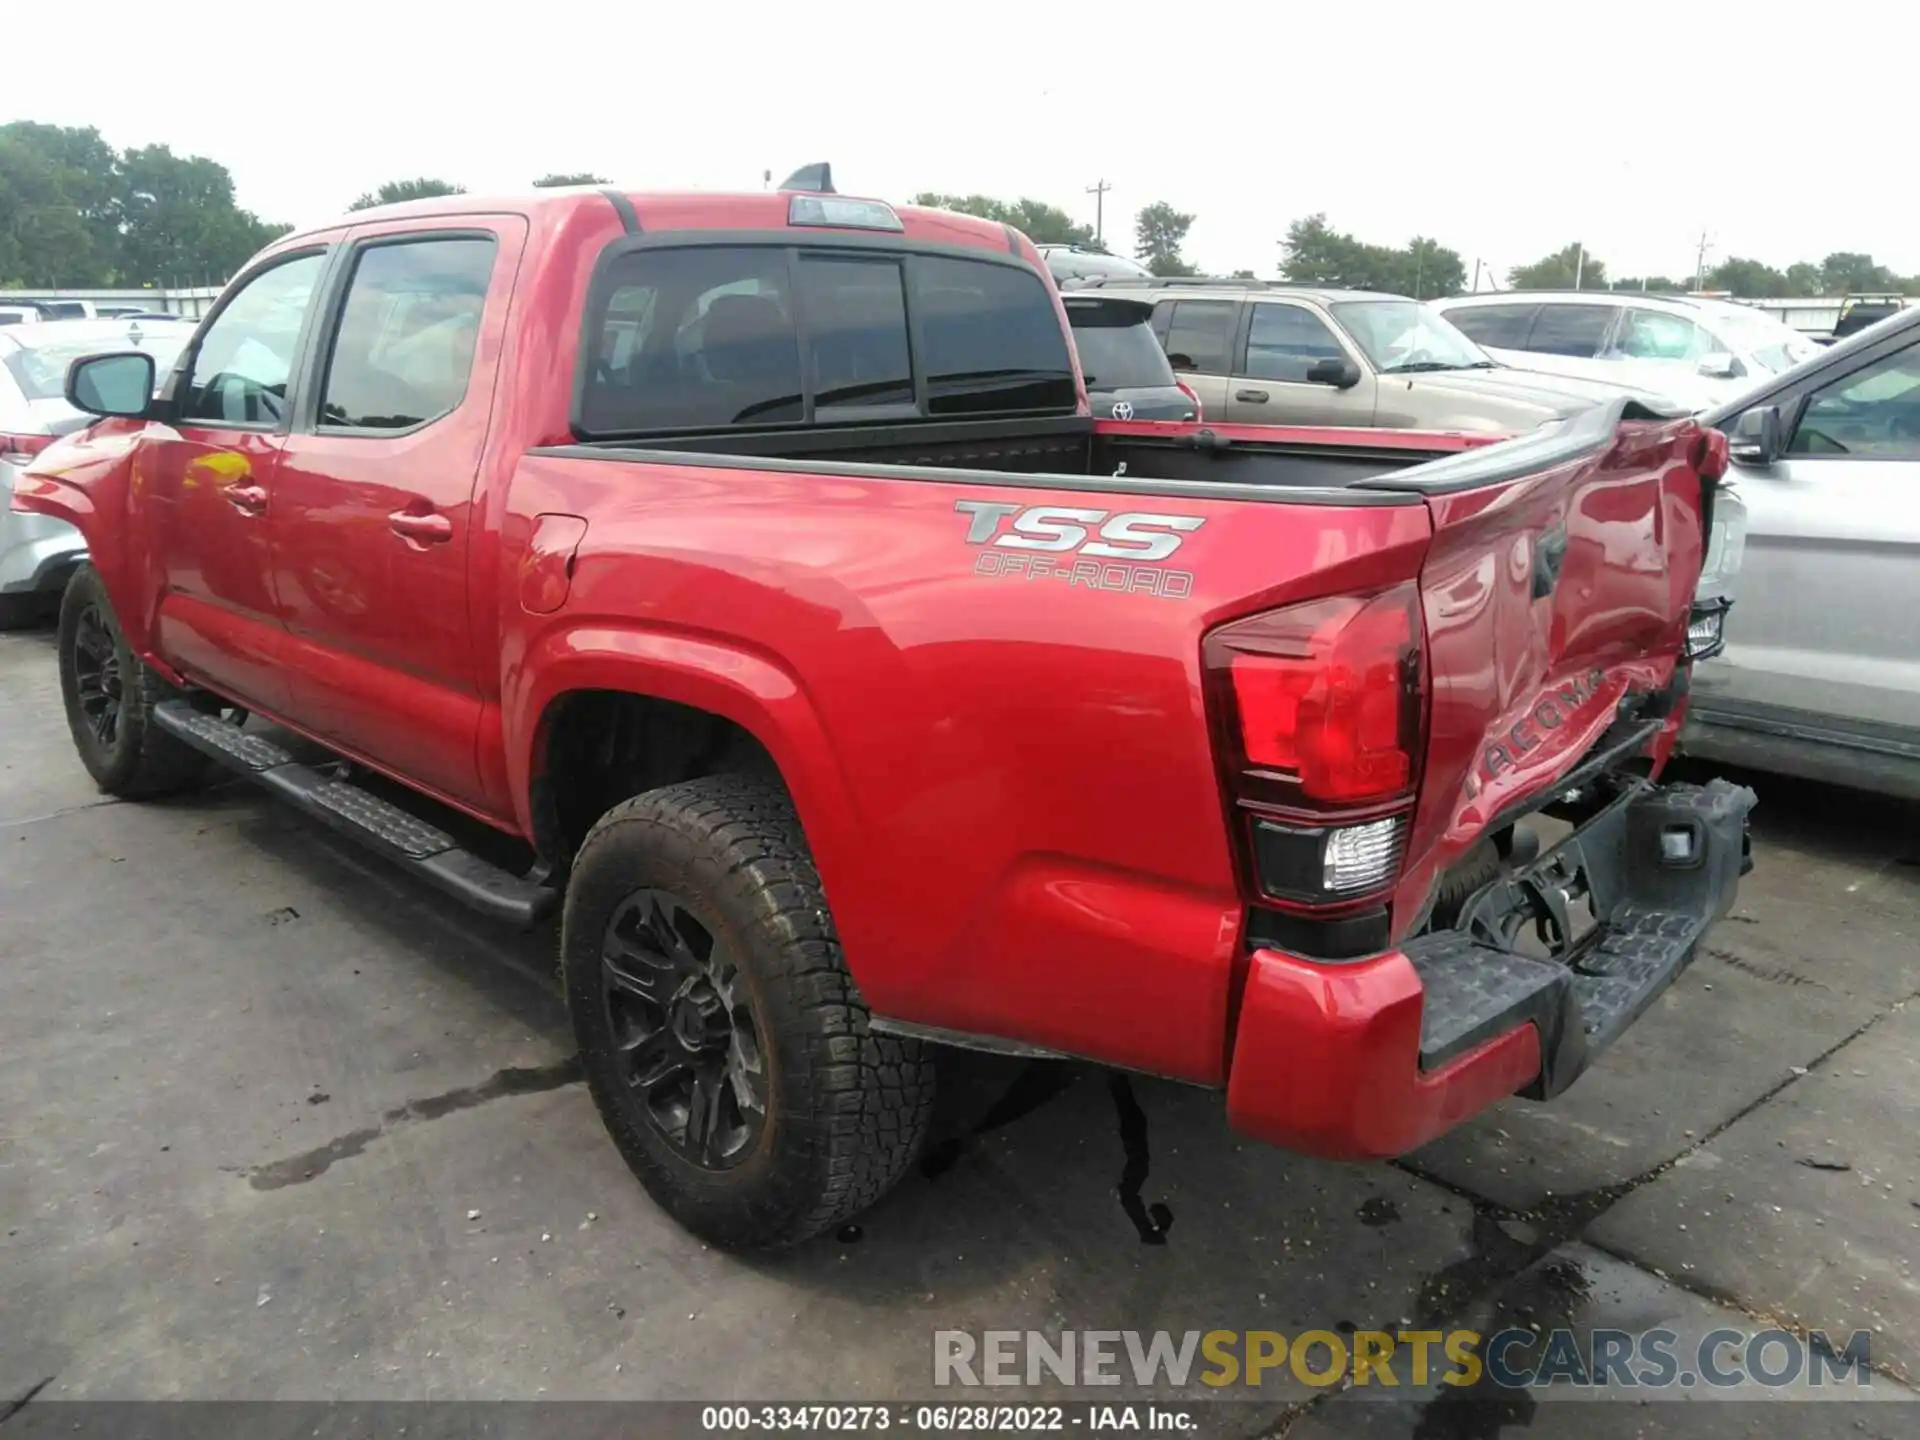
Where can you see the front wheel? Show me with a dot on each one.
(723, 1038)
(110, 694)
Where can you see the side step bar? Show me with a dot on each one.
(429, 852)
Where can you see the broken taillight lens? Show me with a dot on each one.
(1326, 695)
(1320, 714)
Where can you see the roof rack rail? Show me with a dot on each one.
(1182, 282)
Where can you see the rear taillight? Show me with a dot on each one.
(1199, 411)
(18, 447)
(1319, 713)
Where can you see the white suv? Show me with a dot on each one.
(1697, 352)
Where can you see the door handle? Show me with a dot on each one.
(247, 499)
(1252, 397)
(417, 529)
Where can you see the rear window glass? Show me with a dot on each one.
(1573, 330)
(1119, 357)
(1503, 327)
(705, 337)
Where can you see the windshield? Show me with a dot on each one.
(1401, 336)
(42, 371)
(1120, 357)
(1771, 344)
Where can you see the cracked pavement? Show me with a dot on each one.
(277, 1124)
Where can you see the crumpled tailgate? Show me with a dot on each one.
(1553, 595)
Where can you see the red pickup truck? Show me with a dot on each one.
(755, 564)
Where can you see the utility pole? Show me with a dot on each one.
(1476, 275)
(1099, 193)
(1700, 262)
(1579, 263)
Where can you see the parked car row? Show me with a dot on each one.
(23, 310)
(1818, 676)
(38, 552)
(1697, 352)
(1261, 353)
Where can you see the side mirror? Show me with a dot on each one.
(1342, 374)
(119, 384)
(1721, 366)
(1756, 438)
(1180, 362)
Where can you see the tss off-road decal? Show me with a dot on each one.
(1096, 548)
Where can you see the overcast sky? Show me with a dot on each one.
(1502, 130)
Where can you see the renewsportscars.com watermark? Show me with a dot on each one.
(1512, 1359)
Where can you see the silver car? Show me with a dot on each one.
(1821, 672)
(37, 552)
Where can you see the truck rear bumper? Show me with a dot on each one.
(1375, 1057)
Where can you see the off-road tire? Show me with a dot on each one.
(141, 761)
(847, 1109)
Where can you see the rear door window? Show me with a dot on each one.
(703, 337)
(404, 346)
(1284, 341)
(1200, 335)
(1578, 331)
(1501, 327)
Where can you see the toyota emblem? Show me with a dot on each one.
(1123, 410)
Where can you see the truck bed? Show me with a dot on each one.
(1242, 462)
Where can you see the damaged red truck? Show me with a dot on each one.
(754, 563)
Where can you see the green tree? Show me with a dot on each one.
(43, 238)
(1747, 279)
(65, 181)
(1159, 231)
(1040, 222)
(1429, 269)
(394, 191)
(1314, 253)
(558, 178)
(1567, 269)
(1804, 279)
(178, 221)
(1848, 272)
(73, 212)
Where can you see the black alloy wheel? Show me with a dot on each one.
(98, 683)
(685, 1040)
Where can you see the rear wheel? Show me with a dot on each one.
(110, 694)
(723, 1039)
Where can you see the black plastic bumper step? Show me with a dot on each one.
(360, 814)
(1659, 866)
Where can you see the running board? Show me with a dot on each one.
(428, 851)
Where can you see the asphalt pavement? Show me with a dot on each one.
(277, 1124)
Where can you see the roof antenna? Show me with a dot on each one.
(816, 179)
